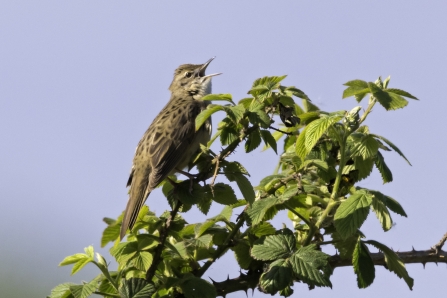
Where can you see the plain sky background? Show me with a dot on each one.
(80, 81)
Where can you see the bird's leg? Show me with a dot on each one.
(191, 178)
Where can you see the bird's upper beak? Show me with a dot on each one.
(202, 70)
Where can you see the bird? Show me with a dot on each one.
(171, 141)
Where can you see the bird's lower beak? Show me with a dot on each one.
(203, 68)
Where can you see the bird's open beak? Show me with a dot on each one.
(203, 69)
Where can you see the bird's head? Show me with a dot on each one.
(190, 79)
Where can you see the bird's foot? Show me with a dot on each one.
(191, 179)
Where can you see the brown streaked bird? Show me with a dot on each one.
(171, 140)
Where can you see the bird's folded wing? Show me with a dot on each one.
(170, 147)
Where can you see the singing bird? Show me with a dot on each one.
(171, 140)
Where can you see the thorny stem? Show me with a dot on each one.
(163, 235)
(222, 248)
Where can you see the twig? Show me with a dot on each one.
(282, 131)
(163, 235)
(437, 248)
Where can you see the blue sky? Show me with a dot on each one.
(80, 81)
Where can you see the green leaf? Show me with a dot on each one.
(394, 206)
(363, 166)
(259, 208)
(387, 176)
(401, 93)
(390, 101)
(223, 194)
(62, 291)
(382, 213)
(356, 83)
(242, 252)
(278, 276)
(228, 135)
(363, 265)
(393, 262)
(313, 132)
(262, 229)
(263, 119)
(143, 260)
(273, 247)
(311, 266)
(269, 140)
(235, 172)
(85, 290)
(346, 246)
(183, 194)
(205, 114)
(136, 288)
(111, 232)
(223, 97)
(235, 113)
(195, 287)
(365, 146)
(359, 91)
(79, 260)
(351, 214)
(394, 147)
(253, 141)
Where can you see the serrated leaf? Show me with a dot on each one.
(359, 91)
(382, 213)
(253, 141)
(237, 175)
(278, 276)
(242, 253)
(235, 113)
(346, 246)
(269, 140)
(143, 260)
(136, 288)
(262, 229)
(195, 287)
(259, 208)
(356, 83)
(85, 290)
(390, 101)
(394, 147)
(394, 206)
(222, 97)
(393, 262)
(310, 265)
(79, 261)
(387, 176)
(228, 135)
(111, 233)
(366, 146)
(363, 166)
(363, 265)
(351, 214)
(273, 247)
(313, 132)
(401, 93)
(62, 291)
(223, 194)
(204, 205)
(263, 118)
(205, 114)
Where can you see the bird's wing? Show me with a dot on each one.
(172, 140)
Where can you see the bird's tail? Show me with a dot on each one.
(137, 197)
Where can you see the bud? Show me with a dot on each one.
(351, 120)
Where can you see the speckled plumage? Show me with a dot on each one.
(171, 140)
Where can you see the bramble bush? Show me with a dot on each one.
(323, 156)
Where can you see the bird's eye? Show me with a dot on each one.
(188, 74)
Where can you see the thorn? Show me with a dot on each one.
(228, 277)
(436, 263)
(214, 282)
(246, 292)
(423, 264)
